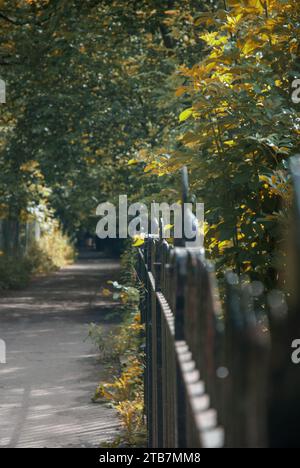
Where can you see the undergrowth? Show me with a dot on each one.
(125, 391)
(48, 254)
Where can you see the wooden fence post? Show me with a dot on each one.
(247, 360)
(180, 258)
(284, 414)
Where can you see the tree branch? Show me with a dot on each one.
(166, 36)
(13, 20)
(168, 41)
(19, 21)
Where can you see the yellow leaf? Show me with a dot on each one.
(233, 21)
(186, 114)
(230, 143)
(250, 46)
(180, 91)
(131, 162)
(214, 38)
(138, 242)
(263, 178)
(225, 244)
(105, 292)
(154, 165)
(172, 12)
(247, 266)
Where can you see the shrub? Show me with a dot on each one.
(15, 272)
(49, 254)
(126, 390)
(52, 252)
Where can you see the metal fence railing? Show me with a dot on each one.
(217, 375)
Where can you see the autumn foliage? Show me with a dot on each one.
(237, 129)
(113, 97)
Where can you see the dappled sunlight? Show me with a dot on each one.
(150, 196)
(52, 370)
(13, 370)
(65, 299)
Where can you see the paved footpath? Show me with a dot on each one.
(52, 371)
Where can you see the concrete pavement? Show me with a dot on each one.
(52, 371)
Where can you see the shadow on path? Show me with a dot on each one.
(52, 371)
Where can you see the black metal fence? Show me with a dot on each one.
(218, 375)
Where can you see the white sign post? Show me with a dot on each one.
(2, 92)
(2, 352)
